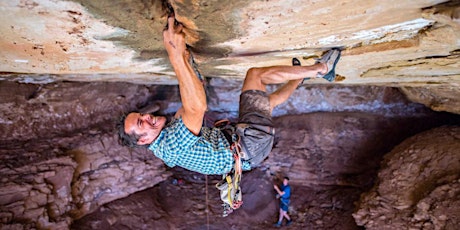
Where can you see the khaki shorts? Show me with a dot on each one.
(255, 126)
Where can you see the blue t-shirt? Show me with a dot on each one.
(287, 193)
(207, 153)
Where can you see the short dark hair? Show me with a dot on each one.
(287, 178)
(126, 139)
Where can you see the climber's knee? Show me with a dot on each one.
(253, 80)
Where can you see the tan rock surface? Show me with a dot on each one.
(395, 43)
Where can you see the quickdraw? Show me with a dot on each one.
(230, 190)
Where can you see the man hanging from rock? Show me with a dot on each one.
(185, 142)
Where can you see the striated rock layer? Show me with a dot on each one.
(418, 185)
(51, 193)
(394, 43)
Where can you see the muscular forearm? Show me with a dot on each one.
(191, 89)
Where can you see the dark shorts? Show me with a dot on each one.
(255, 126)
(284, 206)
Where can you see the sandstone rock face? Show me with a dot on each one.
(50, 194)
(60, 157)
(38, 194)
(106, 172)
(396, 43)
(418, 186)
(438, 98)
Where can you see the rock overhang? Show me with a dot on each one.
(390, 43)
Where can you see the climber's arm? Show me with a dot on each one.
(192, 93)
(281, 193)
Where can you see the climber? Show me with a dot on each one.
(185, 141)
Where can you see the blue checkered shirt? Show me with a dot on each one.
(207, 153)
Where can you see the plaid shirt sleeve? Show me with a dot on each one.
(207, 153)
(173, 139)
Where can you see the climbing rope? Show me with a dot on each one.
(207, 205)
(170, 11)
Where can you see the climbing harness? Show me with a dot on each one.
(230, 190)
(229, 186)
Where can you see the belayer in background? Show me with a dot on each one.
(284, 194)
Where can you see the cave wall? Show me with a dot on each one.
(60, 157)
(50, 194)
(418, 185)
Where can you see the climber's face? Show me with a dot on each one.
(146, 126)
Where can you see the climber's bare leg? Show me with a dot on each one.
(258, 78)
(283, 93)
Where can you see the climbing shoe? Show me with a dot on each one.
(295, 62)
(278, 224)
(331, 58)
